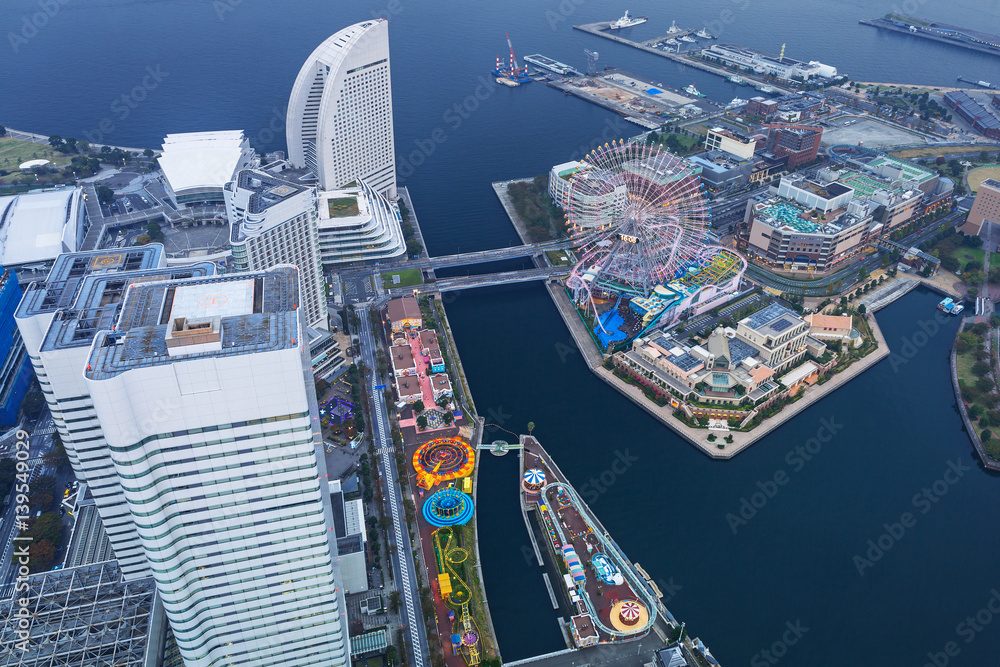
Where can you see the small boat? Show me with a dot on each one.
(736, 78)
(737, 102)
(704, 34)
(671, 42)
(504, 81)
(764, 88)
(691, 90)
(945, 305)
(957, 308)
(687, 38)
(673, 28)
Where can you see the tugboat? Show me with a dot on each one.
(691, 90)
(704, 34)
(627, 21)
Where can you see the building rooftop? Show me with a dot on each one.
(37, 227)
(248, 312)
(772, 320)
(267, 190)
(403, 308)
(202, 159)
(910, 171)
(402, 357)
(83, 615)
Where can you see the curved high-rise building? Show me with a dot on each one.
(339, 122)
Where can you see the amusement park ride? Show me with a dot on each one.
(640, 220)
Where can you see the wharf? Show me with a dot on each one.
(939, 32)
(682, 60)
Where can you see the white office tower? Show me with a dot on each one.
(273, 221)
(58, 319)
(339, 122)
(358, 224)
(205, 397)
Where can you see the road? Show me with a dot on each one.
(403, 567)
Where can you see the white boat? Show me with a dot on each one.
(627, 21)
(735, 78)
(704, 34)
(737, 102)
(502, 80)
(671, 42)
(687, 38)
(691, 90)
(673, 28)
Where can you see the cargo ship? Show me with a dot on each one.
(627, 21)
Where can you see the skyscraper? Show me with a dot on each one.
(339, 122)
(204, 394)
(58, 319)
(273, 221)
(15, 371)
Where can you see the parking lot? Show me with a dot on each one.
(870, 132)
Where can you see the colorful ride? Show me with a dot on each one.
(448, 507)
(443, 460)
(607, 572)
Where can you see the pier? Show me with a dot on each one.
(938, 32)
(684, 60)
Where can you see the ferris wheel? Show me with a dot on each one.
(639, 219)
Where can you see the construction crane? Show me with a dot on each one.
(513, 61)
(591, 61)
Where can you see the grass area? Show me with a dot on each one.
(965, 255)
(343, 207)
(558, 257)
(980, 174)
(932, 151)
(407, 278)
(15, 151)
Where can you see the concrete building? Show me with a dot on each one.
(760, 62)
(778, 335)
(431, 349)
(722, 171)
(986, 207)
(559, 178)
(404, 313)
(339, 123)
(738, 145)
(799, 143)
(898, 202)
(204, 395)
(408, 389)
(761, 108)
(83, 616)
(440, 385)
(58, 318)
(352, 539)
(37, 227)
(273, 221)
(808, 225)
(197, 165)
(358, 224)
(15, 369)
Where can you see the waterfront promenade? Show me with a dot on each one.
(699, 436)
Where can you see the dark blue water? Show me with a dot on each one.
(230, 65)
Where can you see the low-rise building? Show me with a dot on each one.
(408, 389)
(733, 143)
(352, 537)
(778, 335)
(584, 632)
(403, 364)
(829, 327)
(404, 313)
(440, 385)
(431, 349)
(559, 179)
(721, 171)
(760, 107)
(358, 224)
(761, 62)
(37, 227)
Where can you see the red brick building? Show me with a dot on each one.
(799, 143)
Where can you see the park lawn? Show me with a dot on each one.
(980, 174)
(965, 255)
(15, 151)
(407, 278)
(558, 257)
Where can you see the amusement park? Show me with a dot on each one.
(442, 473)
(640, 221)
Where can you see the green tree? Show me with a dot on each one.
(421, 422)
(105, 194)
(418, 406)
(148, 153)
(56, 141)
(395, 599)
(531, 427)
(449, 417)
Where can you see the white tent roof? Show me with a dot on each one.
(202, 159)
(38, 227)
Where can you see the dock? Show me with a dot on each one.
(937, 32)
(682, 59)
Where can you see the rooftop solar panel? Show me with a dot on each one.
(781, 325)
